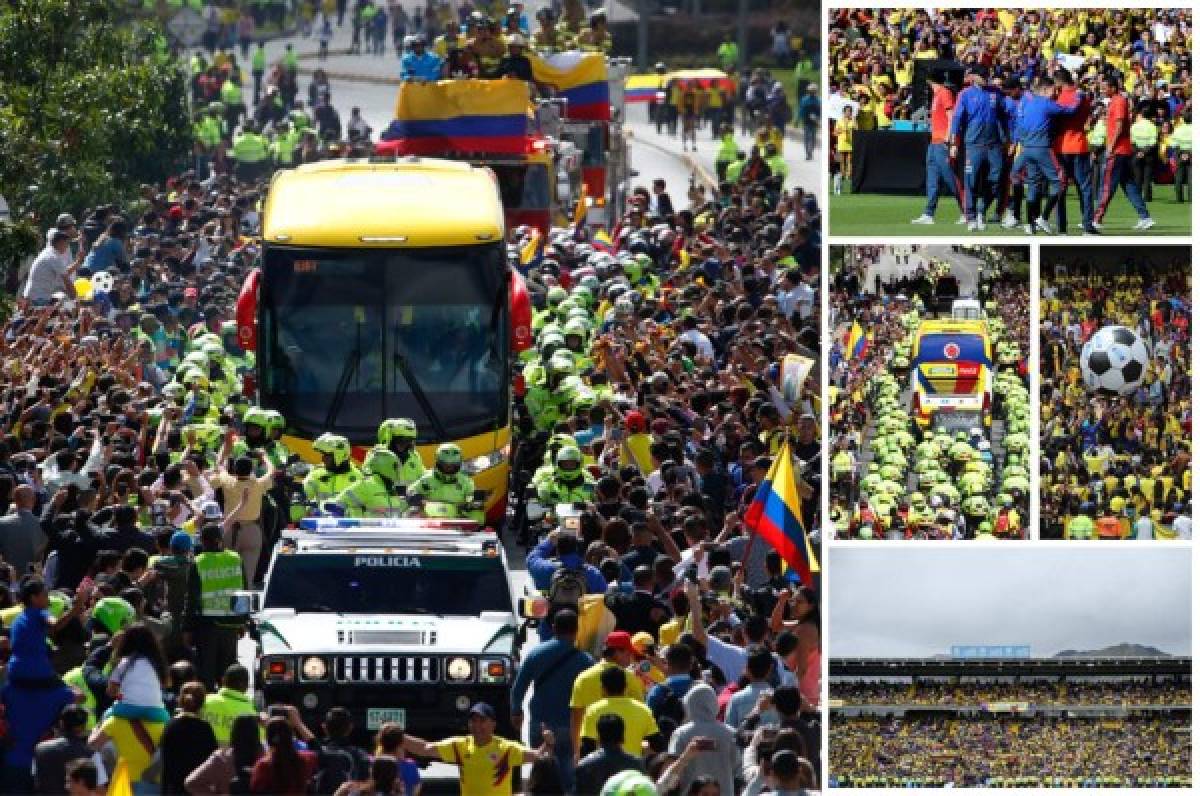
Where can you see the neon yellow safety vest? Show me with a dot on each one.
(1144, 133)
(75, 679)
(222, 708)
(250, 148)
(231, 93)
(1181, 138)
(220, 576)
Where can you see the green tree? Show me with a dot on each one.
(91, 106)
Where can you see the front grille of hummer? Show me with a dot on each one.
(405, 637)
(386, 669)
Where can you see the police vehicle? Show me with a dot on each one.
(397, 620)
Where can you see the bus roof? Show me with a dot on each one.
(408, 203)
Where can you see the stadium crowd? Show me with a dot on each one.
(1142, 750)
(137, 484)
(1117, 467)
(1021, 104)
(1039, 692)
(891, 477)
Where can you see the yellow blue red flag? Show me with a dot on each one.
(642, 88)
(602, 241)
(578, 77)
(458, 116)
(775, 515)
(531, 251)
(856, 342)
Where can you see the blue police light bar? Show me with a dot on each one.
(327, 525)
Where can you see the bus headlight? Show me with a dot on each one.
(314, 668)
(485, 462)
(459, 669)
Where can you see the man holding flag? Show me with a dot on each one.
(775, 515)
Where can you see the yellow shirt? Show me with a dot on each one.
(639, 446)
(844, 129)
(483, 770)
(670, 632)
(639, 721)
(129, 748)
(587, 691)
(232, 488)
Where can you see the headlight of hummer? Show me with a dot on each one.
(459, 669)
(313, 668)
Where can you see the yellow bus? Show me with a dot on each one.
(385, 291)
(952, 374)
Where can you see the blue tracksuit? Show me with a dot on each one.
(978, 123)
(1035, 120)
(1010, 176)
(939, 172)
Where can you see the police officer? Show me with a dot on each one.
(375, 495)
(547, 403)
(335, 473)
(250, 153)
(447, 483)
(210, 626)
(256, 423)
(399, 435)
(570, 482)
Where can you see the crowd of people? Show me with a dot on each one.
(1117, 467)
(139, 487)
(933, 751)
(1059, 691)
(1020, 104)
(892, 476)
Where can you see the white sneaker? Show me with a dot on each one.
(1044, 226)
(1029, 230)
(962, 220)
(1144, 223)
(981, 224)
(1009, 221)
(1097, 225)
(924, 218)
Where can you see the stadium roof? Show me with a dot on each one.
(1007, 667)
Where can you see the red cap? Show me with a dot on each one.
(619, 640)
(175, 213)
(635, 421)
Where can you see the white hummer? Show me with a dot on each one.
(410, 621)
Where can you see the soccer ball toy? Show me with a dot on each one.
(1114, 361)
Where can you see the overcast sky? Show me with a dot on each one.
(914, 601)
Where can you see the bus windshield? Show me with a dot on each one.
(350, 337)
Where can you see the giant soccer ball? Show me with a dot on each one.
(1113, 361)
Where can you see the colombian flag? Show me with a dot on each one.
(856, 342)
(602, 242)
(531, 251)
(458, 116)
(775, 516)
(580, 78)
(642, 88)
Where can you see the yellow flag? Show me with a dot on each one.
(119, 784)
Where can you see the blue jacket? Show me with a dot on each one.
(1035, 118)
(426, 66)
(1011, 110)
(979, 117)
(542, 568)
(557, 667)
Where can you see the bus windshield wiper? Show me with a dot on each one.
(343, 385)
(401, 363)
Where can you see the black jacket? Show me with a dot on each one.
(595, 769)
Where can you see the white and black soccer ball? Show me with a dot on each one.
(1114, 361)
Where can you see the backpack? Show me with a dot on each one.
(335, 766)
(567, 587)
